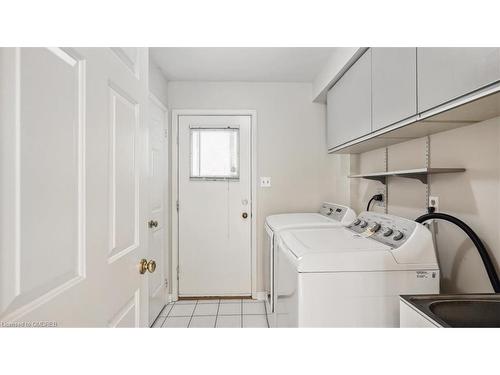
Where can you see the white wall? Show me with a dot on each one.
(337, 64)
(157, 82)
(473, 196)
(291, 142)
(292, 150)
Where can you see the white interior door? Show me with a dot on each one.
(214, 205)
(157, 238)
(73, 162)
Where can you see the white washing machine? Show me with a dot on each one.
(353, 276)
(329, 215)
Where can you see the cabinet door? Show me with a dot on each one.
(448, 73)
(394, 85)
(349, 104)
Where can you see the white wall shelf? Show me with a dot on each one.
(418, 173)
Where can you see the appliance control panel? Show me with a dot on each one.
(388, 229)
(333, 211)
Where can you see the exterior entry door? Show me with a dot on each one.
(214, 205)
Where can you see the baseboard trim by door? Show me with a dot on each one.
(213, 297)
(261, 296)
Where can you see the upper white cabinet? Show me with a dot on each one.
(445, 74)
(387, 94)
(394, 85)
(349, 104)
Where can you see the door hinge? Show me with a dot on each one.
(166, 283)
(177, 273)
(177, 204)
(165, 133)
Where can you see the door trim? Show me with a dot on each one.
(166, 200)
(175, 188)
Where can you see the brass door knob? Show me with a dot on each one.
(244, 215)
(144, 266)
(152, 224)
(151, 266)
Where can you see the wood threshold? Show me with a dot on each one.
(213, 297)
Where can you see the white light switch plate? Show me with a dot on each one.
(265, 182)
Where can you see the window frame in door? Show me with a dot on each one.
(213, 177)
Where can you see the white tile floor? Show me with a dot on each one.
(214, 313)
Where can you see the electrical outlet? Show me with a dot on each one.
(265, 182)
(434, 202)
(382, 202)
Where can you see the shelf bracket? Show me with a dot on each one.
(382, 179)
(421, 177)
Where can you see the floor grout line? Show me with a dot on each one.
(217, 315)
(192, 314)
(169, 311)
(220, 315)
(170, 307)
(265, 310)
(159, 316)
(164, 320)
(167, 307)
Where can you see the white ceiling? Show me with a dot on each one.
(272, 64)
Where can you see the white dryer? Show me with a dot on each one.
(353, 276)
(329, 215)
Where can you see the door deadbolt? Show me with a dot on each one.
(152, 224)
(244, 215)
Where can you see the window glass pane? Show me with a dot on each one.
(214, 153)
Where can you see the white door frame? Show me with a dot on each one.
(166, 193)
(175, 188)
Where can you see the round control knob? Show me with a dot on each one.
(357, 221)
(363, 224)
(388, 232)
(375, 227)
(398, 235)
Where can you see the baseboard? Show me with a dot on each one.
(187, 298)
(261, 296)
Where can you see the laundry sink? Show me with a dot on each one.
(468, 313)
(461, 311)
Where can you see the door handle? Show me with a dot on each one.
(151, 266)
(244, 215)
(152, 224)
(144, 266)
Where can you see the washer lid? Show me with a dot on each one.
(335, 249)
(294, 220)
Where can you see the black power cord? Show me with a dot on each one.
(376, 197)
(483, 253)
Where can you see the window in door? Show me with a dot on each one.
(215, 153)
